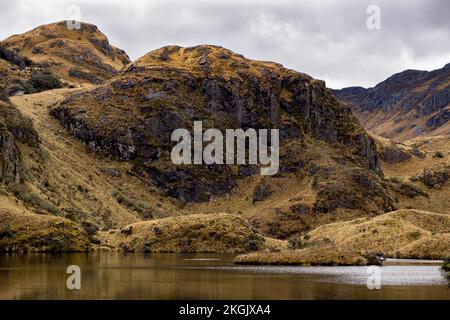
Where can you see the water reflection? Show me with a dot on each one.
(446, 270)
(199, 276)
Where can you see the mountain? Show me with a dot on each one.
(324, 150)
(406, 105)
(88, 165)
(75, 55)
(33, 214)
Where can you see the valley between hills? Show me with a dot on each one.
(85, 156)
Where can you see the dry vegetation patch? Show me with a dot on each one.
(24, 232)
(393, 234)
(192, 233)
(324, 255)
(399, 234)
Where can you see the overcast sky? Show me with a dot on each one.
(326, 39)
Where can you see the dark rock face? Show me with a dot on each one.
(418, 153)
(439, 119)
(19, 126)
(132, 116)
(121, 149)
(351, 94)
(300, 209)
(3, 96)
(410, 190)
(14, 128)
(9, 157)
(435, 177)
(14, 57)
(91, 77)
(367, 189)
(261, 192)
(392, 154)
(184, 183)
(37, 50)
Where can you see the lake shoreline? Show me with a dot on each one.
(115, 275)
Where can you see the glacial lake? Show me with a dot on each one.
(111, 275)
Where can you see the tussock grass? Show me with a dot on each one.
(27, 195)
(26, 232)
(400, 234)
(327, 254)
(193, 233)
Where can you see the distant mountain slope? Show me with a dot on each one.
(76, 55)
(408, 104)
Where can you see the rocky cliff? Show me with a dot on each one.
(14, 129)
(132, 116)
(97, 183)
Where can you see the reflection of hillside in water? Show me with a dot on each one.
(175, 276)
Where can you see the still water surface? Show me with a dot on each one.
(201, 276)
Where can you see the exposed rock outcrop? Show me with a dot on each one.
(133, 115)
(14, 57)
(14, 128)
(393, 154)
(434, 177)
(76, 55)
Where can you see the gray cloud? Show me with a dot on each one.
(327, 39)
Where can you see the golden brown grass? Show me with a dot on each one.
(430, 144)
(61, 49)
(399, 234)
(21, 230)
(326, 254)
(77, 181)
(274, 216)
(438, 199)
(187, 59)
(399, 126)
(394, 234)
(192, 233)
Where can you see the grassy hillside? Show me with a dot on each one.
(399, 234)
(88, 166)
(191, 233)
(76, 55)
